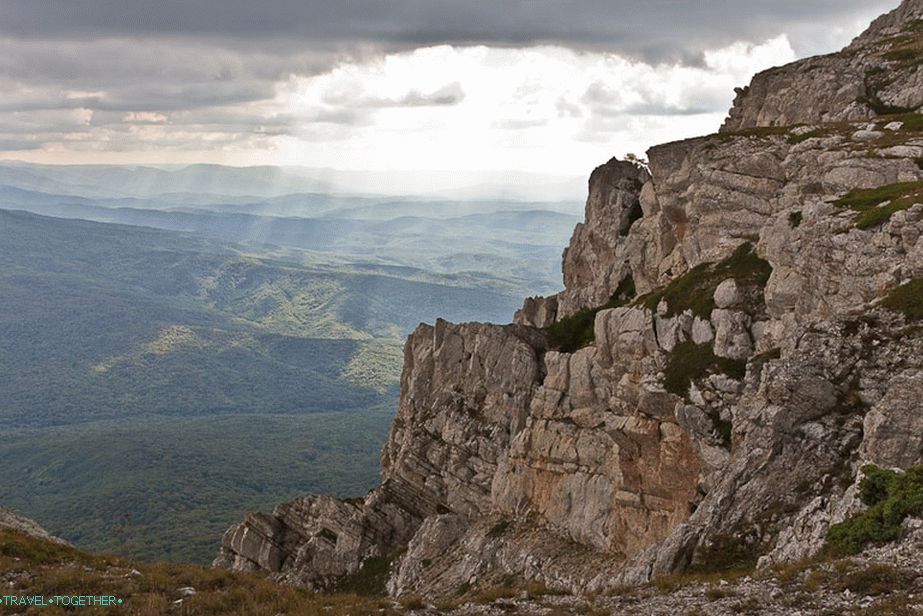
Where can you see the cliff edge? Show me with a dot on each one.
(738, 348)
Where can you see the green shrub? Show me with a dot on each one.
(795, 218)
(695, 289)
(904, 54)
(912, 122)
(891, 496)
(690, 361)
(14, 544)
(907, 299)
(578, 330)
(880, 107)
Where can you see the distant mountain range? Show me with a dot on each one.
(514, 241)
(267, 181)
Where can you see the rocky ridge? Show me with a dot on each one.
(748, 355)
(11, 520)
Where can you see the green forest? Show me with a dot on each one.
(157, 385)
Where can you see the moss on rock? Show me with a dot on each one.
(695, 289)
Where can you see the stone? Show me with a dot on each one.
(465, 390)
(12, 520)
(867, 135)
(732, 334)
(538, 312)
(702, 332)
(727, 294)
(596, 261)
(833, 88)
(894, 427)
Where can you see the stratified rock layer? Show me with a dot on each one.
(880, 72)
(726, 409)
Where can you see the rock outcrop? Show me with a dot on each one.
(754, 306)
(879, 73)
(12, 520)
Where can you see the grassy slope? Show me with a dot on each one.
(31, 567)
(39, 568)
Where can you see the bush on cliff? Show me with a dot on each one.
(891, 496)
(907, 299)
(578, 330)
(877, 205)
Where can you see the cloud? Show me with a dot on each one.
(354, 95)
(546, 107)
(537, 84)
(654, 29)
(461, 107)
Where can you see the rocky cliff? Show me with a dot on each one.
(739, 334)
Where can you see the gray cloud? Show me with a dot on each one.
(649, 28)
(449, 94)
(205, 66)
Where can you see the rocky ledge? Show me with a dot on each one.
(737, 352)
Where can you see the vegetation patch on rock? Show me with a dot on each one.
(371, 578)
(695, 290)
(690, 361)
(35, 567)
(730, 552)
(907, 299)
(876, 205)
(906, 49)
(891, 496)
(578, 330)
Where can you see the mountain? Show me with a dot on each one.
(153, 379)
(729, 385)
(101, 181)
(516, 242)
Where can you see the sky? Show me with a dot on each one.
(544, 86)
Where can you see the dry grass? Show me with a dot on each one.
(45, 569)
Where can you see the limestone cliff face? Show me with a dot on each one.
(465, 390)
(731, 402)
(880, 72)
(596, 261)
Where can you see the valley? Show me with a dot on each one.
(163, 367)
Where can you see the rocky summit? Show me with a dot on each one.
(731, 379)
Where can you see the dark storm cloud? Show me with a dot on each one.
(207, 65)
(655, 29)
